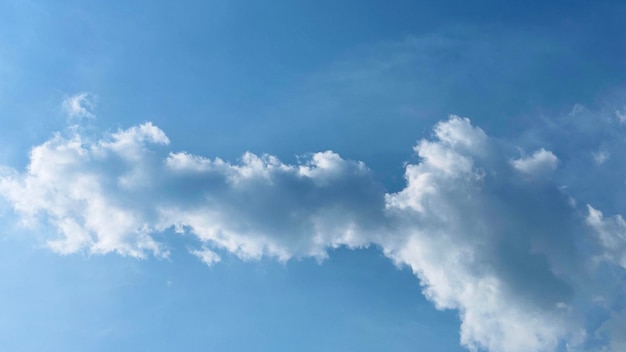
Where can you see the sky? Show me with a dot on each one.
(312, 176)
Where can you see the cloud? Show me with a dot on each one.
(111, 194)
(621, 116)
(541, 163)
(611, 234)
(489, 235)
(600, 157)
(614, 329)
(79, 106)
(206, 255)
(479, 243)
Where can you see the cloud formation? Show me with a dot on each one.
(488, 234)
(109, 195)
(471, 250)
(79, 106)
(540, 163)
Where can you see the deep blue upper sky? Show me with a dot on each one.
(238, 69)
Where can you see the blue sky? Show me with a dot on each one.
(312, 176)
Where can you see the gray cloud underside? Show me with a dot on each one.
(487, 231)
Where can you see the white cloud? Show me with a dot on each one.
(611, 234)
(472, 250)
(483, 233)
(541, 163)
(110, 195)
(206, 255)
(79, 106)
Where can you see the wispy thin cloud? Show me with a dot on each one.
(79, 106)
(206, 255)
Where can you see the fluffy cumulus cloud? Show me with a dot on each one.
(474, 250)
(112, 194)
(542, 162)
(487, 232)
